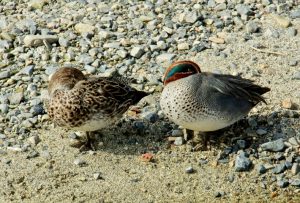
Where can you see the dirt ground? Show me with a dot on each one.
(124, 177)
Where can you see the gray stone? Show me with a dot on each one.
(243, 9)
(211, 3)
(37, 4)
(288, 165)
(2, 136)
(292, 32)
(295, 14)
(137, 52)
(63, 42)
(97, 176)
(37, 40)
(28, 70)
(177, 133)
(165, 57)
(16, 98)
(189, 169)
(90, 69)
(272, 33)
(242, 163)
(261, 169)
(295, 182)
(261, 132)
(178, 141)
(203, 161)
(37, 110)
(85, 59)
(4, 74)
(79, 162)
(296, 75)
(191, 17)
(122, 53)
(50, 69)
(241, 144)
(84, 28)
(4, 108)
(283, 183)
(279, 168)
(220, 7)
(273, 146)
(293, 62)
(183, 46)
(34, 140)
(295, 168)
(252, 27)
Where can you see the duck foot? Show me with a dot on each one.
(85, 144)
(199, 140)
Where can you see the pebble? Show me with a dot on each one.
(295, 168)
(279, 168)
(273, 146)
(38, 40)
(295, 182)
(293, 62)
(261, 169)
(295, 14)
(189, 170)
(4, 74)
(84, 28)
(37, 4)
(252, 27)
(178, 141)
(283, 183)
(97, 176)
(183, 46)
(137, 52)
(287, 103)
(16, 98)
(292, 32)
(216, 40)
(28, 70)
(296, 75)
(90, 69)
(165, 57)
(261, 132)
(282, 21)
(79, 162)
(63, 42)
(242, 163)
(4, 108)
(177, 133)
(34, 140)
(203, 161)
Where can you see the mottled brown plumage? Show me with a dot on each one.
(88, 104)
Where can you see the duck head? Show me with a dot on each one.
(180, 69)
(65, 79)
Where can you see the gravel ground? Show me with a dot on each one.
(255, 160)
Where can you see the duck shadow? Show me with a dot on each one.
(136, 136)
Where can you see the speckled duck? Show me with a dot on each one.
(88, 104)
(204, 102)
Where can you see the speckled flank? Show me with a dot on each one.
(208, 102)
(90, 104)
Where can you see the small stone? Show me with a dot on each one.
(261, 169)
(84, 28)
(272, 33)
(122, 53)
(90, 69)
(37, 4)
(295, 182)
(293, 62)
(79, 162)
(177, 133)
(252, 27)
(295, 14)
(16, 98)
(296, 75)
(178, 141)
(191, 17)
(292, 32)
(203, 161)
(63, 42)
(261, 132)
(218, 194)
(288, 165)
(216, 40)
(97, 176)
(4, 108)
(282, 21)
(183, 46)
(4, 74)
(137, 52)
(38, 40)
(282, 183)
(241, 144)
(287, 103)
(34, 140)
(295, 168)
(279, 168)
(243, 9)
(242, 163)
(28, 70)
(165, 57)
(273, 146)
(189, 170)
